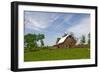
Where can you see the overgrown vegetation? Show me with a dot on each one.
(30, 41)
(57, 54)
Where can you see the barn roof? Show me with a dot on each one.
(62, 39)
(77, 42)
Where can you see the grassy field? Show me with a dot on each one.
(57, 54)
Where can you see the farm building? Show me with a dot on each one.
(67, 41)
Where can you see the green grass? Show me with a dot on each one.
(57, 54)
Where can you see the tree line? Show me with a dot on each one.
(30, 40)
(83, 39)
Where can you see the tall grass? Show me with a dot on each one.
(57, 54)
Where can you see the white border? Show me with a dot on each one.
(22, 64)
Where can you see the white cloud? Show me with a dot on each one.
(68, 18)
(39, 21)
(82, 28)
(33, 24)
(54, 17)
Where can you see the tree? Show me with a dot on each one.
(42, 43)
(89, 38)
(30, 40)
(57, 40)
(82, 39)
(41, 37)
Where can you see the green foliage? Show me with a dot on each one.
(41, 37)
(57, 40)
(89, 38)
(82, 39)
(31, 40)
(45, 47)
(42, 43)
(57, 54)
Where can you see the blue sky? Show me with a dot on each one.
(55, 24)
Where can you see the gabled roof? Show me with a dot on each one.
(62, 39)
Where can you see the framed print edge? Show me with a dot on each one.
(96, 36)
(14, 36)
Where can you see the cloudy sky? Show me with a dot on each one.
(55, 24)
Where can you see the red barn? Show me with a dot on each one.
(67, 41)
